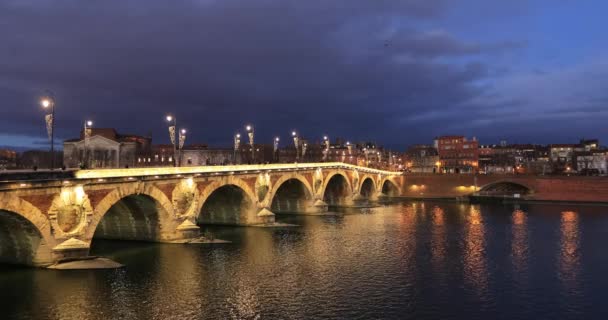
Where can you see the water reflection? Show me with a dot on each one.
(569, 250)
(438, 241)
(475, 269)
(409, 261)
(519, 241)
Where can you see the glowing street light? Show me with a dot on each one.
(182, 141)
(172, 127)
(326, 151)
(304, 146)
(87, 134)
(48, 102)
(296, 142)
(276, 148)
(237, 143)
(250, 133)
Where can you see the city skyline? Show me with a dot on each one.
(394, 73)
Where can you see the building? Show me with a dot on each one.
(105, 148)
(422, 159)
(562, 154)
(208, 157)
(593, 162)
(8, 159)
(260, 153)
(457, 154)
(514, 158)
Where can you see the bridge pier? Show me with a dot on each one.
(266, 217)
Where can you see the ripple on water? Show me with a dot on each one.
(414, 260)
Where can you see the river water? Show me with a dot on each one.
(411, 260)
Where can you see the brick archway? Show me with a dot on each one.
(365, 181)
(165, 207)
(228, 181)
(505, 187)
(293, 201)
(284, 178)
(25, 210)
(385, 180)
(334, 173)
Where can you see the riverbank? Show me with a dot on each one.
(572, 189)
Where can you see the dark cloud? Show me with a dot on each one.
(352, 68)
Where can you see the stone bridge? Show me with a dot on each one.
(44, 220)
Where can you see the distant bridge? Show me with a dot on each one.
(46, 218)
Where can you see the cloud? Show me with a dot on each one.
(352, 68)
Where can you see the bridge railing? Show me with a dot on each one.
(153, 171)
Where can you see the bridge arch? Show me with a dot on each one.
(390, 188)
(291, 193)
(337, 188)
(227, 202)
(133, 212)
(25, 233)
(367, 189)
(504, 188)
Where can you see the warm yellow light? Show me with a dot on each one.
(79, 193)
(45, 103)
(438, 163)
(190, 182)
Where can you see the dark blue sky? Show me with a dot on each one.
(393, 71)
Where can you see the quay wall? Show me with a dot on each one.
(542, 188)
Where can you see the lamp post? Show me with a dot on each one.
(182, 140)
(48, 102)
(87, 134)
(276, 149)
(304, 146)
(296, 143)
(350, 150)
(250, 133)
(237, 143)
(172, 127)
(326, 151)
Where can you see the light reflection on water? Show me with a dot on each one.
(413, 260)
(519, 243)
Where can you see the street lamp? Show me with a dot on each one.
(296, 142)
(250, 132)
(350, 149)
(276, 148)
(237, 143)
(172, 127)
(48, 102)
(87, 134)
(182, 140)
(326, 151)
(304, 146)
